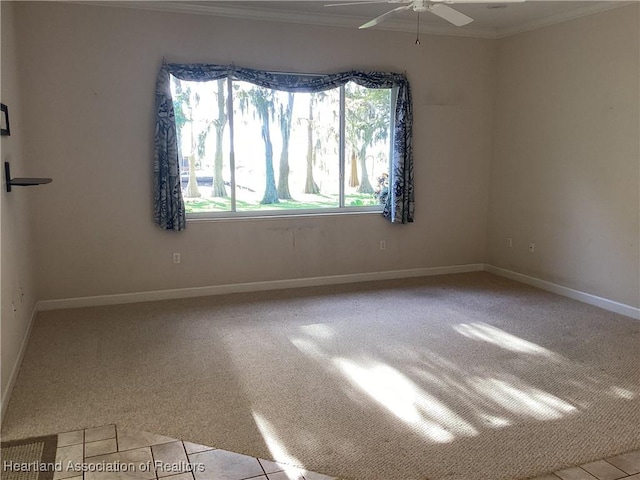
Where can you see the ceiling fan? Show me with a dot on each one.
(440, 8)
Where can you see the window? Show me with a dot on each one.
(317, 152)
(185, 127)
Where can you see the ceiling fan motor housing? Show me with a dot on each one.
(420, 6)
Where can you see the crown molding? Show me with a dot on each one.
(264, 14)
(562, 17)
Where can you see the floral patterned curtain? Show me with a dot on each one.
(169, 205)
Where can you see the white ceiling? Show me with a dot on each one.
(488, 23)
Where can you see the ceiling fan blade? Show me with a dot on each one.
(459, 19)
(382, 17)
(343, 4)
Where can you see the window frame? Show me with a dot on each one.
(283, 212)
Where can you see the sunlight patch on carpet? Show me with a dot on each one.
(318, 330)
(523, 399)
(275, 445)
(403, 398)
(488, 333)
(623, 393)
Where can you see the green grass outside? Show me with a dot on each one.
(208, 205)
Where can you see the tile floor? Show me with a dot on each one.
(94, 453)
(114, 453)
(626, 467)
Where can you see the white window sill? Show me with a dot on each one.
(279, 215)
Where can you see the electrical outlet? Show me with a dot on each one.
(509, 242)
(532, 247)
(383, 244)
(176, 258)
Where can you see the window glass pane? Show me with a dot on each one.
(315, 149)
(286, 149)
(367, 145)
(203, 144)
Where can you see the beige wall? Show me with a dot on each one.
(565, 173)
(16, 254)
(90, 73)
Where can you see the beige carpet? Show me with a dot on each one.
(460, 377)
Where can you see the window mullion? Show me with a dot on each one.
(341, 147)
(232, 155)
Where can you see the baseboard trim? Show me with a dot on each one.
(601, 302)
(6, 395)
(150, 296)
